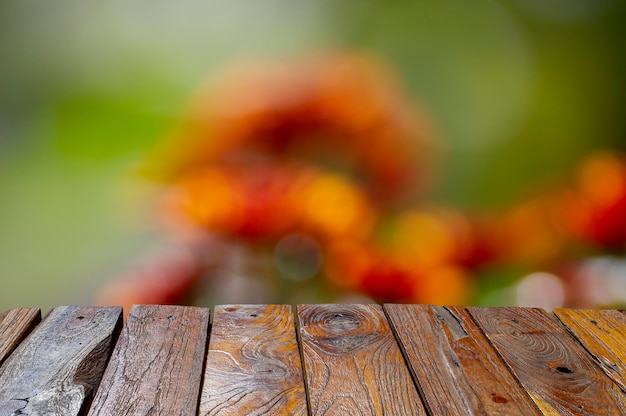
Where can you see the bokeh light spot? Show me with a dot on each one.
(298, 257)
(541, 289)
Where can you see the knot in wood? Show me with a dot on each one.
(342, 328)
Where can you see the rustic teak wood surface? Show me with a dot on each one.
(453, 363)
(316, 360)
(554, 368)
(353, 363)
(253, 364)
(602, 333)
(57, 368)
(15, 324)
(156, 365)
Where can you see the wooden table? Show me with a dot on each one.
(324, 359)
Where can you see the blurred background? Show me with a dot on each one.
(519, 106)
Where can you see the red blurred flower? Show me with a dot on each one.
(533, 232)
(265, 202)
(305, 147)
(434, 236)
(382, 275)
(341, 111)
(596, 208)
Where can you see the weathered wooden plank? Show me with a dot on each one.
(15, 324)
(603, 334)
(455, 366)
(56, 370)
(253, 365)
(353, 365)
(156, 366)
(556, 371)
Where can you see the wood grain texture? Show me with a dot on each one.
(455, 366)
(603, 334)
(353, 365)
(156, 366)
(56, 370)
(556, 371)
(15, 325)
(253, 365)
